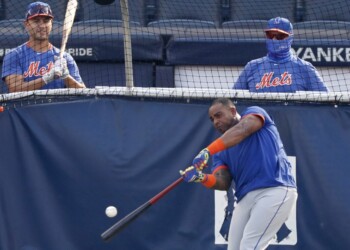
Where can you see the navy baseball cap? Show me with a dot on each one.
(38, 9)
(280, 24)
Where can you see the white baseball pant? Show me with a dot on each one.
(258, 216)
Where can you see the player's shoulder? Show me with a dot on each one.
(19, 49)
(258, 111)
(66, 55)
(254, 109)
(255, 64)
(301, 62)
(55, 50)
(258, 61)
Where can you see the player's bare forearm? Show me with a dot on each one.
(15, 83)
(246, 126)
(72, 83)
(223, 180)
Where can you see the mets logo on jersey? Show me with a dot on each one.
(34, 70)
(268, 81)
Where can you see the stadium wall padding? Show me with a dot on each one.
(63, 163)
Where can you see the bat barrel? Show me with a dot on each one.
(117, 227)
(166, 190)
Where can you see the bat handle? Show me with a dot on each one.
(166, 190)
(58, 72)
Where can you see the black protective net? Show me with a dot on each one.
(186, 48)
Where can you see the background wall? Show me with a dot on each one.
(170, 36)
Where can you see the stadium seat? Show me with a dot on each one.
(259, 10)
(246, 28)
(113, 74)
(188, 14)
(183, 23)
(104, 23)
(329, 30)
(245, 24)
(15, 9)
(325, 10)
(94, 13)
(325, 19)
(323, 24)
(2, 9)
(13, 33)
(11, 27)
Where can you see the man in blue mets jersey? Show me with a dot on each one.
(251, 155)
(36, 64)
(279, 70)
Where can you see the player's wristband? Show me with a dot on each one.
(209, 180)
(216, 146)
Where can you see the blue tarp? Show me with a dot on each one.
(63, 163)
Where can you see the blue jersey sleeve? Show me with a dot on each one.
(73, 68)
(217, 162)
(242, 81)
(316, 82)
(11, 65)
(255, 110)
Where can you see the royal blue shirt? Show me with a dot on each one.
(266, 75)
(259, 161)
(23, 60)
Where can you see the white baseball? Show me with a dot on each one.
(111, 211)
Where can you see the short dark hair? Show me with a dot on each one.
(224, 101)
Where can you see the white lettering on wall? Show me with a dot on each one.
(80, 51)
(336, 54)
(319, 54)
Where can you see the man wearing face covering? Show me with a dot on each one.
(279, 70)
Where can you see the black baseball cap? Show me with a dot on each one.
(38, 9)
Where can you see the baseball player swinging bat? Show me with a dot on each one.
(72, 6)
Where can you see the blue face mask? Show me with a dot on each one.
(279, 50)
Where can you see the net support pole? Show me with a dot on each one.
(129, 72)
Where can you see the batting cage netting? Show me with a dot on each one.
(112, 120)
(191, 48)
